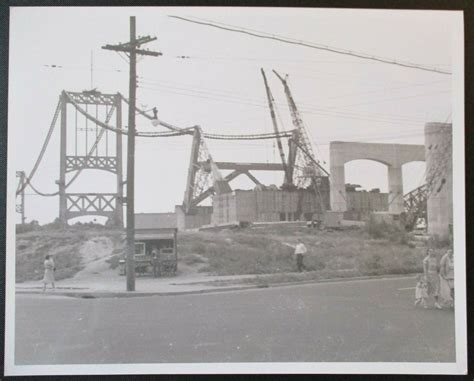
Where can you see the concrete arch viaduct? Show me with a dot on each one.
(391, 155)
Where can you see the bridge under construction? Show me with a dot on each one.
(91, 133)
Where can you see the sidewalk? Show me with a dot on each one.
(113, 285)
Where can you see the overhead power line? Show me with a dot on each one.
(222, 93)
(307, 110)
(312, 45)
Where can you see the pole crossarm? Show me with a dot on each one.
(128, 47)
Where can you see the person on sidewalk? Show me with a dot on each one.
(155, 257)
(430, 269)
(300, 251)
(48, 272)
(446, 272)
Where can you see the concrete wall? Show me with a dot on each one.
(223, 209)
(198, 216)
(438, 143)
(267, 206)
(367, 201)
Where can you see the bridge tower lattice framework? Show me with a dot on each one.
(109, 204)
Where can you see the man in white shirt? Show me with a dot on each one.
(300, 251)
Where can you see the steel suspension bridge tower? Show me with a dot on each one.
(85, 145)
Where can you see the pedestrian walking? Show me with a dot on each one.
(446, 272)
(431, 272)
(300, 251)
(155, 255)
(48, 272)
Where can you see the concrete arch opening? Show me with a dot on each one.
(366, 188)
(369, 174)
(393, 156)
(413, 175)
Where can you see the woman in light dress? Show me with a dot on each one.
(431, 272)
(446, 273)
(48, 272)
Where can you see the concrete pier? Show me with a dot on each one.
(439, 176)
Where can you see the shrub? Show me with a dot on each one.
(383, 230)
(191, 259)
(25, 228)
(198, 247)
(56, 224)
(371, 262)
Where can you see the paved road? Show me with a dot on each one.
(349, 321)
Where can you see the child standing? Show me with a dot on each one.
(421, 291)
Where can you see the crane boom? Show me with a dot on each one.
(305, 157)
(270, 99)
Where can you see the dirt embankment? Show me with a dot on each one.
(76, 252)
(264, 250)
(85, 253)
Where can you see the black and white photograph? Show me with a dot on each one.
(235, 190)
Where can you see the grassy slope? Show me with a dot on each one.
(260, 251)
(234, 252)
(63, 244)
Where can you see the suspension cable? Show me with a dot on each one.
(270, 135)
(175, 131)
(43, 149)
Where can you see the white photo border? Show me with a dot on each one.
(457, 368)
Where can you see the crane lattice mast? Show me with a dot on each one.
(288, 179)
(304, 160)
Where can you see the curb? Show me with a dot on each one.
(127, 294)
(335, 280)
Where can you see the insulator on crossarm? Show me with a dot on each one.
(155, 121)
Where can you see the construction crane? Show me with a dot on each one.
(306, 170)
(305, 164)
(288, 179)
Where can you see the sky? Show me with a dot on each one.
(220, 87)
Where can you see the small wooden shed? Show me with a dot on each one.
(156, 231)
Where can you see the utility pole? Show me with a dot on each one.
(132, 49)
